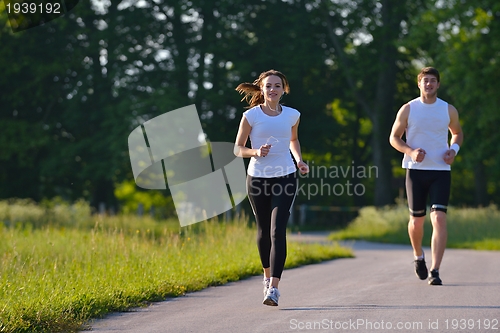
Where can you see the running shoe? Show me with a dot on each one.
(272, 297)
(434, 278)
(421, 269)
(266, 283)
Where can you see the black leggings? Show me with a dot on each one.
(271, 200)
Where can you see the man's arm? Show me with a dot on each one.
(398, 129)
(457, 136)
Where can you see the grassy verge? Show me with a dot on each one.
(468, 228)
(55, 278)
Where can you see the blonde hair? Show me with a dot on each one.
(253, 91)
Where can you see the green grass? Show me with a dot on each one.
(57, 276)
(468, 228)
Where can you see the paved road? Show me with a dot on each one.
(375, 292)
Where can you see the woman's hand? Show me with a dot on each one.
(263, 150)
(303, 167)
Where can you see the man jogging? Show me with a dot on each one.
(427, 160)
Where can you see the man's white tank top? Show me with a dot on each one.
(428, 129)
(277, 131)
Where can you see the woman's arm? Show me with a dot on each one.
(295, 149)
(240, 148)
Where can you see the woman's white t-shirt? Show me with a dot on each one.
(274, 130)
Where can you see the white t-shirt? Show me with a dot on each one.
(428, 129)
(276, 130)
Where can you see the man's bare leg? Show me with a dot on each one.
(439, 237)
(416, 233)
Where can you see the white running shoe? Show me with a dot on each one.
(266, 283)
(272, 297)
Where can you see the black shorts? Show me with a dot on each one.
(423, 183)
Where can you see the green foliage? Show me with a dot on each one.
(470, 228)
(73, 89)
(385, 224)
(22, 213)
(130, 197)
(476, 228)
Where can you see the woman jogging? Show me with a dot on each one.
(271, 179)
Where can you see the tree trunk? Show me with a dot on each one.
(383, 182)
(379, 110)
(181, 55)
(103, 193)
(384, 103)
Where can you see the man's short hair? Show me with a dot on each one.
(428, 71)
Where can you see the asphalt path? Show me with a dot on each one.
(377, 291)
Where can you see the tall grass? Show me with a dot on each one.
(472, 228)
(55, 277)
(56, 212)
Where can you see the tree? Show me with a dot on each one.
(34, 75)
(99, 72)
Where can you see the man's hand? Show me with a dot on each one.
(417, 155)
(449, 156)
